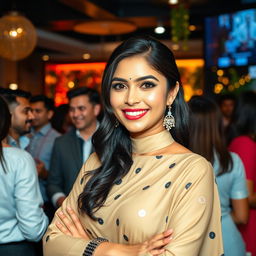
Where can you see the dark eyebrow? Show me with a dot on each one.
(118, 79)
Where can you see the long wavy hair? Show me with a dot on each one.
(5, 122)
(113, 144)
(207, 132)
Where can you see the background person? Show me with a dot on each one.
(244, 144)
(72, 149)
(227, 103)
(22, 219)
(42, 138)
(137, 159)
(207, 139)
(22, 116)
(61, 120)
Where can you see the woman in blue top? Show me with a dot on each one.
(22, 219)
(207, 139)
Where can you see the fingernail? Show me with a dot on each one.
(69, 208)
(60, 213)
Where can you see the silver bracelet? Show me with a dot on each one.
(93, 244)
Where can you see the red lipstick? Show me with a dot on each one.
(134, 114)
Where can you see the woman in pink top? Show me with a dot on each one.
(244, 144)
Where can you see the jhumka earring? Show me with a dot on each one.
(169, 120)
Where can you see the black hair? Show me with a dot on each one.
(11, 95)
(93, 95)
(113, 145)
(5, 123)
(60, 117)
(226, 96)
(48, 103)
(244, 121)
(207, 132)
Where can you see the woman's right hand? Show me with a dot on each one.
(155, 244)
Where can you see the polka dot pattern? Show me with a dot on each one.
(116, 197)
(118, 182)
(172, 165)
(168, 184)
(212, 235)
(188, 185)
(201, 200)
(137, 170)
(142, 213)
(126, 238)
(100, 221)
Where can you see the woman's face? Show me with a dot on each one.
(139, 96)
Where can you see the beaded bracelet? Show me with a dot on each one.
(93, 244)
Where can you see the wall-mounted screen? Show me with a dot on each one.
(230, 39)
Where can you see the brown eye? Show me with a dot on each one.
(147, 85)
(118, 86)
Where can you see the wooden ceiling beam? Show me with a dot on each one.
(88, 8)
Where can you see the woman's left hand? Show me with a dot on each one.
(71, 225)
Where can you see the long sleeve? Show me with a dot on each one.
(55, 242)
(32, 221)
(55, 179)
(239, 187)
(195, 214)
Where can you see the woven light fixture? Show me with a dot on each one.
(17, 36)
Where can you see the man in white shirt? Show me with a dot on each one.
(22, 117)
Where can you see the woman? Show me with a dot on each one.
(142, 191)
(207, 139)
(244, 144)
(22, 218)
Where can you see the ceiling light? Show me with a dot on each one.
(13, 86)
(17, 36)
(45, 57)
(159, 30)
(105, 27)
(173, 1)
(86, 56)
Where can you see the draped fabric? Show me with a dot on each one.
(175, 191)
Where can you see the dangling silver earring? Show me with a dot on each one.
(169, 120)
(116, 123)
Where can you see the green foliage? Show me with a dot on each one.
(180, 25)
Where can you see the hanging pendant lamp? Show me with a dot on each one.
(17, 36)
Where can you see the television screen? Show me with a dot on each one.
(230, 39)
(248, 1)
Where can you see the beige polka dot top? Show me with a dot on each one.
(175, 191)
